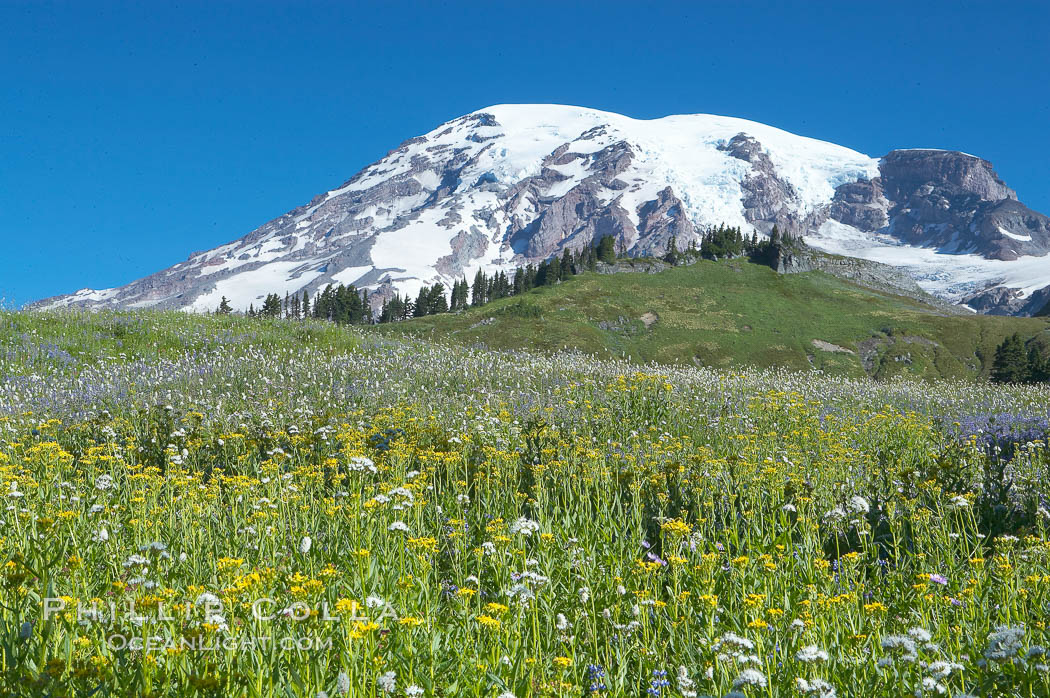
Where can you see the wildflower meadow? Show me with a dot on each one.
(209, 506)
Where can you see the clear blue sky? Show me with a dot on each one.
(133, 134)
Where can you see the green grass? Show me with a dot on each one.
(725, 314)
(445, 522)
(33, 340)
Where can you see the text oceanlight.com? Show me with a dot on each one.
(202, 643)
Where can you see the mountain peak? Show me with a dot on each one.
(515, 183)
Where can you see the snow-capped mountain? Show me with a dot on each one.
(511, 184)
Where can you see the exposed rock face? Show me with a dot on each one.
(514, 184)
(947, 200)
(862, 205)
(660, 220)
(582, 214)
(907, 171)
(1000, 300)
(465, 247)
(768, 199)
(873, 275)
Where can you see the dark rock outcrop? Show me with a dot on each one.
(947, 200)
(873, 275)
(659, 221)
(908, 171)
(769, 200)
(1000, 300)
(584, 214)
(861, 204)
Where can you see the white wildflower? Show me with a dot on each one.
(733, 641)
(361, 464)
(388, 682)
(685, 684)
(750, 677)
(858, 505)
(835, 515)
(815, 687)
(902, 645)
(919, 634)
(811, 653)
(207, 599)
(1005, 643)
(941, 669)
(525, 526)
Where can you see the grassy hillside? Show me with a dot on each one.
(724, 314)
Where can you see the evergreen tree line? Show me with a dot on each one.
(715, 243)
(344, 305)
(486, 288)
(347, 305)
(726, 242)
(1016, 363)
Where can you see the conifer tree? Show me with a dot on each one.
(436, 301)
(1011, 361)
(1038, 366)
(775, 237)
(553, 271)
(224, 307)
(479, 289)
(272, 305)
(672, 250)
(458, 300)
(531, 274)
(421, 306)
